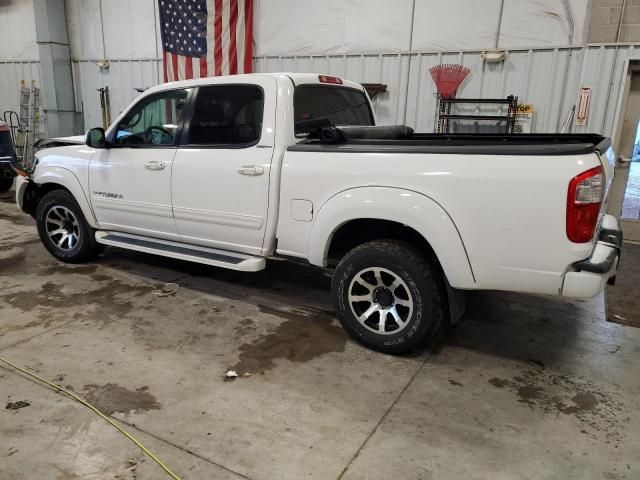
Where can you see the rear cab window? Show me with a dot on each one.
(339, 105)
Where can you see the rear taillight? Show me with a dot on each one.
(584, 200)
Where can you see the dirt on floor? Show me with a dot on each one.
(623, 302)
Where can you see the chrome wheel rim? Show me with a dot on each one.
(63, 228)
(380, 300)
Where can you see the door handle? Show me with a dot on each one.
(154, 165)
(253, 170)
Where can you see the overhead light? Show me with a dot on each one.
(494, 56)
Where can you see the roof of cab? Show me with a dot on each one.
(296, 78)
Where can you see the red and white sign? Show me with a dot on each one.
(582, 112)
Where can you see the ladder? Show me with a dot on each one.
(30, 124)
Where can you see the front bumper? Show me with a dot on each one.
(589, 276)
(21, 187)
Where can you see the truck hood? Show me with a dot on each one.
(73, 140)
(59, 142)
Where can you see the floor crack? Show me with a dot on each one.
(183, 449)
(437, 342)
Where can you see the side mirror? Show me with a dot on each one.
(95, 138)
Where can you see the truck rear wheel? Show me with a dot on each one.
(63, 229)
(388, 296)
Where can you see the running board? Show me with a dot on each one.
(182, 251)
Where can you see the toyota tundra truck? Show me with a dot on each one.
(233, 171)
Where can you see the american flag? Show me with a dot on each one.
(203, 38)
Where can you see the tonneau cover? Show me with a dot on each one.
(400, 139)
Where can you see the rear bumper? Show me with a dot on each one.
(588, 277)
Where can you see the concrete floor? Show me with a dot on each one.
(631, 202)
(525, 387)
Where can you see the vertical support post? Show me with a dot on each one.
(55, 64)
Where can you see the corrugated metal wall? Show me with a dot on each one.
(122, 77)
(548, 78)
(11, 74)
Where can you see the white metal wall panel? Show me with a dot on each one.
(390, 69)
(18, 31)
(122, 77)
(604, 70)
(542, 77)
(548, 78)
(11, 74)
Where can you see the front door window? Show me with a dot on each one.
(152, 121)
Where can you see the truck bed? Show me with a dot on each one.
(401, 139)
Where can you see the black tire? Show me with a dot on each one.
(420, 287)
(84, 247)
(5, 182)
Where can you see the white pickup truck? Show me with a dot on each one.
(232, 171)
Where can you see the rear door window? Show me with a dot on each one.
(227, 115)
(338, 105)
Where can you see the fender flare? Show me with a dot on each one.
(413, 209)
(67, 179)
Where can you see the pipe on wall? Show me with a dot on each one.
(624, 5)
(499, 24)
(570, 21)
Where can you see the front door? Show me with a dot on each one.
(220, 181)
(130, 182)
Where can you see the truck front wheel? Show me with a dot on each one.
(388, 296)
(63, 229)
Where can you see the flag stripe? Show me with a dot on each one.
(217, 35)
(170, 73)
(248, 36)
(164, 66)
(203, 67)
(224, 39)
(188, 67)
(175, 69)
(240, 39)
(233, 51)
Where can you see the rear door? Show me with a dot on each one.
(220, 181)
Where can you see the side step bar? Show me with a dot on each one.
(182, 251)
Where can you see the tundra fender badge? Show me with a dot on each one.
(108, 195)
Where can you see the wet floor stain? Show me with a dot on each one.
(17, 219)
(598, 409)
(66, 269)
(11, 257)
(107, 299)
(17, 405)
(52, 294)
(244, 327)
(303, 335)
(112, 398)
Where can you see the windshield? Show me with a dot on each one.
(335, 105)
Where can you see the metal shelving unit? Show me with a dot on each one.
(445, 114)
